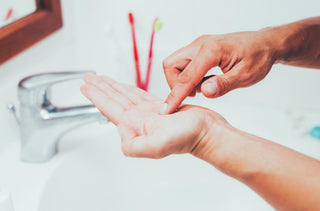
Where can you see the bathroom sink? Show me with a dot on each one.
(98, 177)
(91, 173)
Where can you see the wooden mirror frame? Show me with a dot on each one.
(25, 32)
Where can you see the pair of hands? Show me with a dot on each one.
(245, 58)
(146, 133)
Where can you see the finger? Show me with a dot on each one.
(221, 84)
(135, 94)
(173, 67)
(190, 78)
(108, 90)
(176, 63)
(108, 107)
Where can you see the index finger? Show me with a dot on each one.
(175, 64)
(190, 78)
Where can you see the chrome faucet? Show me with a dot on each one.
(41, 123)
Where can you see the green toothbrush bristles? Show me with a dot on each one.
(157, 25)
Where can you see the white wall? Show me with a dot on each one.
(96, 36)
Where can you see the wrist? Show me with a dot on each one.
(217, 133)
(287, 42)
(274, 40)
(227, 149)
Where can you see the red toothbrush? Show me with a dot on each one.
(9, 14)
(135, 52)
(155, 28)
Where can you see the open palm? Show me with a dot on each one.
(146, 133)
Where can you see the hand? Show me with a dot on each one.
(245, 58)
(144, 132)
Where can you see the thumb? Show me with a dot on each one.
(135, 145)
(219, 85)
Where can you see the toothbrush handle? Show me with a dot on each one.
(146, 84)
(135, 52)
(136, 58)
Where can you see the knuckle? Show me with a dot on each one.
(184, 78)
(167, 63)
(202, 38)
(217, 46)
(211, 47)
(206, 48)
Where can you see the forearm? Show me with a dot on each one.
(297, 43)
(285, 178)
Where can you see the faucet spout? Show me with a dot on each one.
(40, 134)
(42, 124)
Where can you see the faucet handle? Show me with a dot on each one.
(45, 80)
(34, 89)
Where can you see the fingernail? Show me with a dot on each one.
(163, 108)
(211, 88)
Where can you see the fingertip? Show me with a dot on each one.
(88, 76)
(164, 109)
(175, 98)
(169, 108)
(83, 89)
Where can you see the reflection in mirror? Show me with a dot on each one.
(12, 10)
(45, 18)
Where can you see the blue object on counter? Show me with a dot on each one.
(315, 132)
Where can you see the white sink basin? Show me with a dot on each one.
(91, 173)
(99, 177)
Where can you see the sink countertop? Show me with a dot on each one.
(31, 185)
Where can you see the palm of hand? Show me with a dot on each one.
(144, 132)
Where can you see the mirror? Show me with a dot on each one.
(26, 26)
(13, 10)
